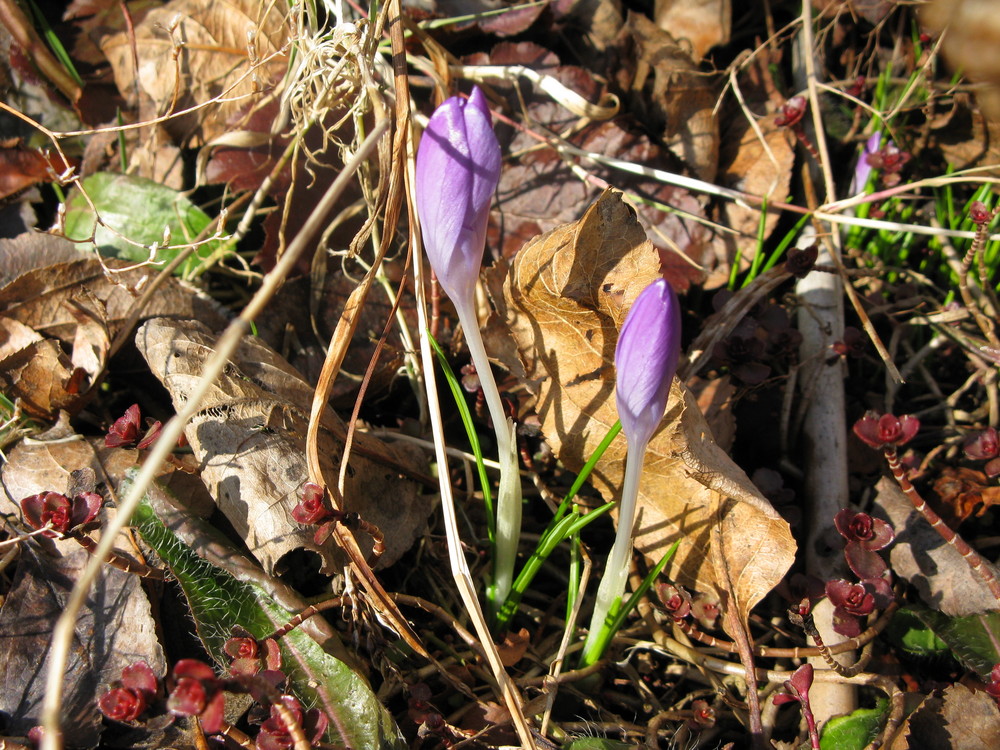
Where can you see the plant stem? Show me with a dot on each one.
(976, 563)
(508, 527)
(612, 585)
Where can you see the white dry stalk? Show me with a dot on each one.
(612, 585)
(824, 427)
(456, 556)
(508, 507)
(225, 347)
(545, 83)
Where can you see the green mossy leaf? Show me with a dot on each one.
(219, 602)
(910, 634)
(138, 209)
(856, 730)
(974, 639)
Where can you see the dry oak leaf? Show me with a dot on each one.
(919, 555)
(115, 627)
(956, 718)
(564, 299)
(191, 52)
(249, 439)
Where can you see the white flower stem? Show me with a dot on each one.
(612, 585)
(508, 526)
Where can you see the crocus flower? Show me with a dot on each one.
(458, 168)
(646, 361)
(863, 168)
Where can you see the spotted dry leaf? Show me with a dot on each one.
(564, 299)
(249, 439)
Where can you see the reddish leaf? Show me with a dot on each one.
(21, 167)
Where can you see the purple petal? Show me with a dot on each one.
(863, 169)
(457, 170)
(646, 360)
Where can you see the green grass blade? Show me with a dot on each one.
(587, 469)
(470, 431)
(554, 535)
(616, 617)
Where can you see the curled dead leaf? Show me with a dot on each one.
(192, 52)
(249, 439)
(564, 299)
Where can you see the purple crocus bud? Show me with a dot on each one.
(646, 360)
(864, 168)
(458, 168)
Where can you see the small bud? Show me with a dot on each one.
(458, 168)
(125, 430)
(886, 431)
(646, 360)
(792, 112)
(979, 213)
(801, 261)
(311, 510)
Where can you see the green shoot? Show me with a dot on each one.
(554, 535)
(616, 617)
(55, 45)
(470, 431)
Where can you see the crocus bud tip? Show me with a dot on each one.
(646, 359)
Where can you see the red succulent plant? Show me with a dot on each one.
(127, 698)
(251, 656)
(853, 601)
(274, 732)
(886, 431)
(58, 512)
(197, 692)
(125, 430)
(865, 536)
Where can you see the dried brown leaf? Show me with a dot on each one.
(191, 52)
(671, 96)
(115, 627)
(539, 189)
(919, 555)
(249, 438)
(970, 45)
(21, 167)
(47, 298)
(957, 718)
(564, 299)
(41, 377)
(700, 25)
